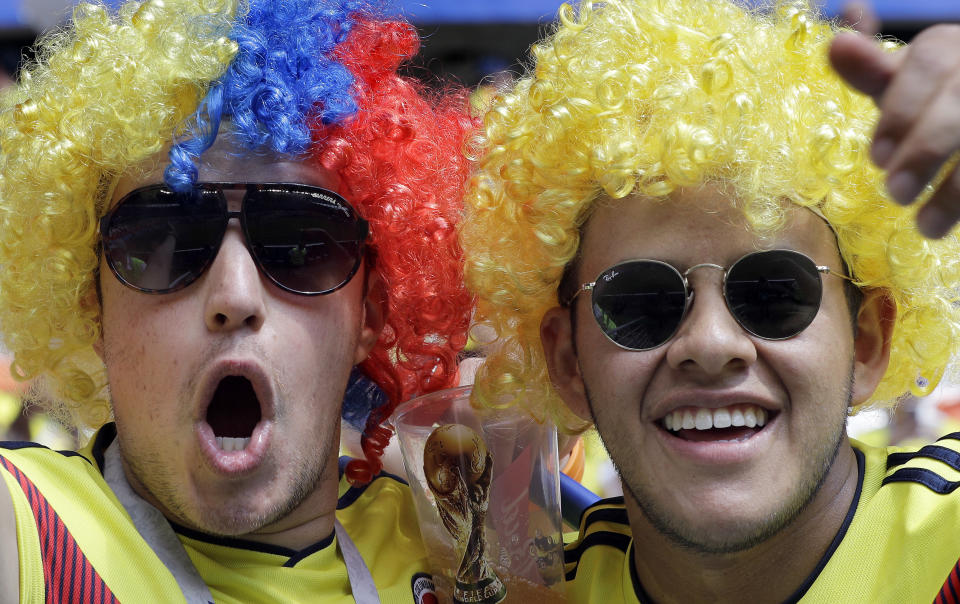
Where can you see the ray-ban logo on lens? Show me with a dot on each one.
(610, 276)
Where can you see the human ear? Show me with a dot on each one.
(871, 347)
(374, 315)
(556, 335)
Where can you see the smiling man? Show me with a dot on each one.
(677, 231)
(218, 215)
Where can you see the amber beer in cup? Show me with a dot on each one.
(486, 486)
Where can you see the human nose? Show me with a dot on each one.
(233, 289)
(710, 339)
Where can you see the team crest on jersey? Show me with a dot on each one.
(424, 591)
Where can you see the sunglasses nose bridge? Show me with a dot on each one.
(241, 218)
(687, 272)
(709, 337)
(723, 301)
(234, 293)
(685, 275)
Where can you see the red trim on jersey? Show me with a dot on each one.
(67, 574)
(951, 587)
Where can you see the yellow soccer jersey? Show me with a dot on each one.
(899, 542)
(77, 542)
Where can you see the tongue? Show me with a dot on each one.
(715, 434)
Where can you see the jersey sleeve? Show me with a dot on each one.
(28, 543)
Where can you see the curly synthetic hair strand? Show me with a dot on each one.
(101, 96)
(314, 79)
(646, 97)
(282, 79)
(401, 165)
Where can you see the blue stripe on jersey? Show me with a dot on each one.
(939, 453)
(928, 478)
(620, 541)
(599, 512)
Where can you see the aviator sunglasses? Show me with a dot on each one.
(305, 239)
(774, 295)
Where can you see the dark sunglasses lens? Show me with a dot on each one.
(640, 304)
(159, 241)
(775, 294)
(306, 240)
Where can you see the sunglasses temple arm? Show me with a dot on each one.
(583, 288)
(829, 271)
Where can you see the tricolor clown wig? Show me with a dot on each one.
(647, 96)
(313, 79)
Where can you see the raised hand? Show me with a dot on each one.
(917, 90)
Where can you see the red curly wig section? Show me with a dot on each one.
(402, 166)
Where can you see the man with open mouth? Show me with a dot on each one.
(216, 215)
(678, 230)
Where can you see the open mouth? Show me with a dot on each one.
(234, 412)
(735, 423)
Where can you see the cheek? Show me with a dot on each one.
(815, 367)
(316, 343)
(136, 329)
(315, 346)
(611, 373)
(144, 348)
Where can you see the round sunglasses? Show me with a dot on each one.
(773, 294)
(305, 239)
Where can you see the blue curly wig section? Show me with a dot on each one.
(281, 79)
(362, 396)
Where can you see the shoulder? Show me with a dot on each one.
(383, 489)
(915, 489)
(32, 469)
(603, 527)
(927, 477)
(381, 519)
(51, 472)
(9, 556)
(35, 455)
(43, 490)
(935, 466)
(597, 564)
(904, 526)
(24, 466)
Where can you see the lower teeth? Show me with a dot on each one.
(227, 443)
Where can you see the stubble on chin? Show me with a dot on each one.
(230, 512)
(735, 538)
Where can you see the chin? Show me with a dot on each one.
(731, 537)
(232, 520)
(732, 527)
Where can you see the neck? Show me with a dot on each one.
(308, 523)
(673, 573)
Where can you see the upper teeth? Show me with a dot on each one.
(232, 444)
(704, 419)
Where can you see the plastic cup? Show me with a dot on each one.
(486, 487)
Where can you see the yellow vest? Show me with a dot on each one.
(900, 542)
(91, 547)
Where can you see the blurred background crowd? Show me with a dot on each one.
(483, 44)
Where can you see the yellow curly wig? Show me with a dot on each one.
(104, 95)
(647, 96)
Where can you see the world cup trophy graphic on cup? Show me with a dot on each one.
(458, 467)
